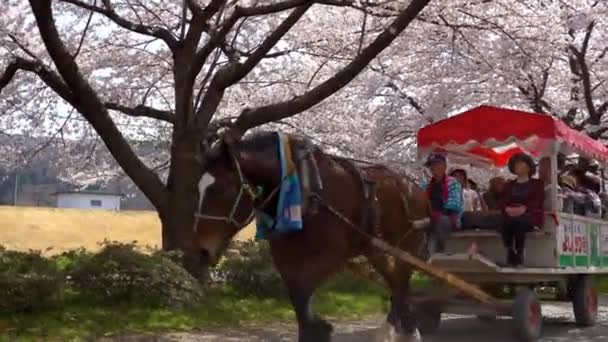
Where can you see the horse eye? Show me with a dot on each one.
(212, 189)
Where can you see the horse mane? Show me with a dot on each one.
(263, 140)
(260, 141)
(266, 140)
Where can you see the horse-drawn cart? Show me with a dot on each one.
(561, 257)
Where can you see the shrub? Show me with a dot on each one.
(67, 261)
(28, 281)
(119, 273)
(249, 270)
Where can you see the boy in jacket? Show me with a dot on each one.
(445, 200)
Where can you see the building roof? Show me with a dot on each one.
(89, 192)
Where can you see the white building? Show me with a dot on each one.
(88, 200)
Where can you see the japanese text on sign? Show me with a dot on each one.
(575, 238)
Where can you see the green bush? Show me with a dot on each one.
(249, 270)
(67, 261)
(28, 281)
(119, 273)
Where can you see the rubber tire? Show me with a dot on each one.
(429, 319)
(584, 297)
(521, 311)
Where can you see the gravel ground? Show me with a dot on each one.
(558, 327)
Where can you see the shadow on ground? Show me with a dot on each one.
(558, 327)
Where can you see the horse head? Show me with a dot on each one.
(239, 176)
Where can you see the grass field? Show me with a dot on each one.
(38, 228)
(79, 320)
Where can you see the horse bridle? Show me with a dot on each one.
(244, 188)
(254, 192)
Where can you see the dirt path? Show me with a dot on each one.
(558, 327)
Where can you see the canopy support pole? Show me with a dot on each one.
(554, 173)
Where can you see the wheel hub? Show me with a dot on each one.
(535, 315)
(591, 302)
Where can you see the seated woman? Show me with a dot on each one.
(521, 206)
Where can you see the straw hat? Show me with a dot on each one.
(568, 181)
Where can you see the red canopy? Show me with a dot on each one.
(495, 134)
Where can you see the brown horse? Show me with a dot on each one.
(307, 258)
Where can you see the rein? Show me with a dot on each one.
(244, 188)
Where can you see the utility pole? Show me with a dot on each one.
(16, 191)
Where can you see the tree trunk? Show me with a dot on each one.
(178, 220)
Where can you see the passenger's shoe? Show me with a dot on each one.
(511, 257)
(503, 264)
(519, 260)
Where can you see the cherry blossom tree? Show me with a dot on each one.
(543, 56)
(185, 67)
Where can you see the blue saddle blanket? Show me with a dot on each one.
(289, 207)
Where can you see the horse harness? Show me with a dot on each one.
(311, 182)
(371, 210)
(245, 188)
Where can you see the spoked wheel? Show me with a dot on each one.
(527, 315)
(429, 318)
(584, 301)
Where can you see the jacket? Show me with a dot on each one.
(534, 202)
(453, 201)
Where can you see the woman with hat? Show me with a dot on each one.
(522, 207)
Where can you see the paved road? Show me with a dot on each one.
(558, 327)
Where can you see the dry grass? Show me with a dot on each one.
(23, 228)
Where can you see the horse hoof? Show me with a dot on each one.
(317, 331)
(388, 333)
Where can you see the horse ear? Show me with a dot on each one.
(225, 145)
(216, 149)
(232, 137)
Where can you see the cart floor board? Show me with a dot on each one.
(477, 263)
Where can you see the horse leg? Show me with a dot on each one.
(311, 328)
(400, 322)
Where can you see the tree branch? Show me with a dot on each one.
(50, 78)
(587, 38)
(109, 12)
(211, 9)
(250, 118)
(289, 4)
(23, 47)
(54, 81)
(217, 38)
(585, 75)
(85, 100)
(258, 54)
(412, 101)
(602, 109)
(235, 72)
(142, 111)
(8, 74)
(193, 6)
(272, 8)
(214, 41)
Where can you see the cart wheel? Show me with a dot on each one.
(562, 293)
(429, 318)
(527, 315)
(487, 318)
(584, 301)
